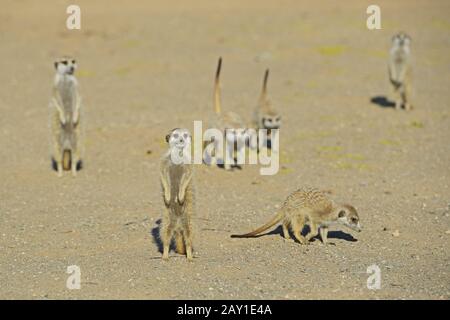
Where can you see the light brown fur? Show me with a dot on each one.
(225, 121)
(66, 119)
(265, 117)
(400, 70)
(312, 206)
(178, 196)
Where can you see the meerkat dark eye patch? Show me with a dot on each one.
(73, 61)
(176, 135)
(65, 62)
(341, 214)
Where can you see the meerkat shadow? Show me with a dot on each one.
(156, 234)
(331, 234)
(55, 168)
(382, 102)
(341, 235)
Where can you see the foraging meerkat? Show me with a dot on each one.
(65, 106)
(229, 123)
(309, 205)
(176, 180)
(265, 115)
(400, 70)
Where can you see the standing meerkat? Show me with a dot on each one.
(309, 205)
(400, 74)
(265, 115)
(229, 123)
(65, 106)
(176, 180)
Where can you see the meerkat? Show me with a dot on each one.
(265, 115)
(65, 105)
(400, 70)
(229, 123)
(178, 195)
(312, 206)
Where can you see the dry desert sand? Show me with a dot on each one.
(146, 67)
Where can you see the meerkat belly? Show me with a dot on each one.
(67, 138)
(176, 171)
(67, 91)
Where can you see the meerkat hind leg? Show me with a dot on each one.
(74, 164)
(406, 97)
(313, 231)
(286, 231)
(59, 168)
(297, 226)
(397, 98)
(188, 243)
(179, 241)
(59, 164)
(166, 237)
(324, 235)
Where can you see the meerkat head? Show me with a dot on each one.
(271, 121)
(401, 40)
(348, 216)
(179, 138)
(65, 65)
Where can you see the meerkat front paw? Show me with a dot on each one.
(180, 197)
(167, 197)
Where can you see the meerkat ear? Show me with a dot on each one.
(341, 214)
(56, 64)
(167, 138)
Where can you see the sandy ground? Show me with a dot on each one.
(146, 67)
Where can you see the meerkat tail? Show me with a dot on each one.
(277, 218)
(67, 159)
(264, 87)
(179, 244)
(217, 106)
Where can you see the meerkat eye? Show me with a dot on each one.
(354, 220)
(176, 135)
(64, 62)
(185, 135)
(278, 118)
(73, 61)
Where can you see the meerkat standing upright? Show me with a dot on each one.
(309, 205)
(229, 123)
(400, 70)
(176, 180)
(65, 107)
(265, 115)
